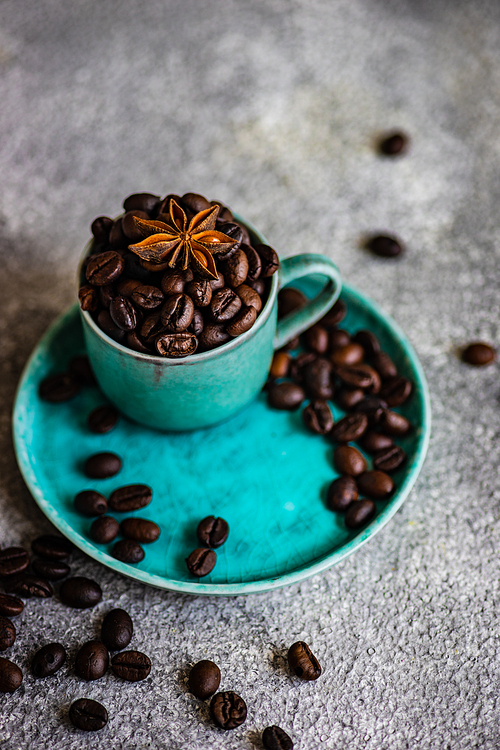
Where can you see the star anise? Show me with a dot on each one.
(181, 243)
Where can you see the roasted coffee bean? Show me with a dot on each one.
(254, 262)
(318, 379)
(228, 710)
(130, 497)
(337, 338)
(318, 417)
(335, 315)
(48, 660)
(141, 202)
(147, 297)
(285, 396)
(89, 298)
(224, 305)
(373, 442)
(13, 560)
(270, 260)
(80, 368)
(235, 231)
(389, 459)
(289, 300)
(177, 313)
(140, 530)
(107, 293)
(104, 268)
(88, 715)
(384, 365)
(103, 465)
(102, 419)
(249, 296)
(360, 513)
(173, 283)
(478, 354)
(316, 339)
(7, 633)
(104, 529)
(393, 423)
(396, 391)
(212, 532)
(302, 661)
(152, 327)
(217, 283)
(384, 246)
(135, 270)
(176, 345)
(341, 493)
(212, 336)
(110, 328)
(373, 407)
(27, 586)
(350, 354)
(359, 376)
(204, 679)
(201, 562)
(375, 484)
(132, 666)
(92, 661)
(280, 365)
(154, 267)
(197, 324)
(348, 460)
(52, 547)
(395, 144)
(51, 570)
(275, 738)
(59, 387)
(298, 365)
(10, 606)
(129, 226)
(349, 428)
(80, 592)
(200, 291)
(347, 398)
(100, 228)
(134, 342)
(242, 321)
(117, 238)
(195, 202)
(128, 551)
(368, 341)
(259, 286)
(123, 313)
(235, 268)
(11, 676)
(117, 630)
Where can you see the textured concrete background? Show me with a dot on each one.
(273, 106)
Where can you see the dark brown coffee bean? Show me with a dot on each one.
(341, 493)
(337, 338)
(235, 268)
(7, 633)
(201, 562)
(128, 551)
(140, 530)
(384, 365)
(213, 336)
(368, 341)
(289, 300)
(254, 262)
(249, 296)
(132, 666)
(51, 570)
(200, 291)
(298, 365)
(88, 715)
(104, 529)
(335, 315)
(173, 283)
(218, 283)
(373, 407)
(350, 354)
(197, 324)
(384, 246)
(10, 606)
(224, 305)
(58, 388)
(285, 396)
(318, 417)
(348, 460)
(130, 497)
(117, 630)
(242, 321)
(147, 297)
(212, 532)
(347, 398)
(81, 370)
(103, 465)
(154, 267)
(360, 513)
(280, 365)
(318, 379)
(134, 342)
(372, 441)
(107, 293)
(11, 676)
(396, 391)
(389, 459)
(376, 383)
(393, 423)
(80, 592)
(92, 661)
(13, 560)
(177, 313)
(141, 202)
(28, 586)
(102, 419)
(117, 237)
(123, 313)
(375, 484)
(228, 710)
(395, 144)
(478, 354)
(129, 225)
(52, 547)
(270, 260)
(237, 234)
(88, 298)
(176, 345)
(109, 327)
(349, 428)
(302, 661)
(104, 268)
(275, 738)
(356, 376)
(48, 660)
(204, 679)
(101, 228)
(316, 339)
(152, 327)
(259, 286)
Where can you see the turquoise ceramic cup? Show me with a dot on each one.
(207, 388)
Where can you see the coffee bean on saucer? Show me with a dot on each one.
(375, 484)
(11, 676)
(318, 417)
(132, 666)
(104, 529)
(389, 459)
(80, 368)
(478, 354)
(13, 560)
(317, 339)
(117, 630)
(360, 513)
(80, 592)
(102, 465)
(395, 144)
(289, 300)
(48, 660)
(7, 633)
(335, 315)
(298, 367)
(285, 396)
(52, 547)
(201, 562)
(384, 246)
(59, 387)
(27, 586)
(348, 460)
(373, 407)
(358, 376)
(347, 398)
(128, 551)
(338, 338)
(280, 365)
(384, 365)
(396, 391)
(348, 355)
(104, 268)
(302, 661)
(393, 423)
(92, 660)
(368, 341)
(275, 738)
(140, 530)
(341, 493)
(318, 379)
(102, 419)
(52, 570)
(349, 428)
(88, 715)
(130, 497)
(373, 442)
(10, 606)
(204, 679)
(228, 710)
(212, 532)
(91, 503)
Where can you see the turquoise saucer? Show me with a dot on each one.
(262, 471)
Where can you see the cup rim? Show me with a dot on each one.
(192, 358)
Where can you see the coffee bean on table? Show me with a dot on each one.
(13, 560)
(389, 459)
(478, 354)
(350, 354)
(7, 633)
(368, 341)
(228, 710)
(103, 465)
(289, 300)
(104, 268)
(59, 387)
(88, 715)
(395, 144)
(275, 738)
(140, 530)
(384, 246)
(318, 417)
(212, 532)
(132, 666)
(10, 606)
(396, 391)
(341, 493)
(201, 562)
(52, 547)
(349, 428)
(348, 460)
(48, 660)
(102, 419)
(285, 396)
(372, 441)
(128, 551)
(130, 497)
(375, 484)
(104, 529)
(302, 661)
(394, 423)
(92, 660)
(117, 630)
(91, 503)
(52, 570)
(204, 679)
(80, 592)
(360, 513)
(11, 676)
(28, 586)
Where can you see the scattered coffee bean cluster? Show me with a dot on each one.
(212, 532)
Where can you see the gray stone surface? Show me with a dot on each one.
(273, 106)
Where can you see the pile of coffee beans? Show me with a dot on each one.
(157, 309)
(212, 532)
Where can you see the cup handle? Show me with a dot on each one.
(297, 267)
